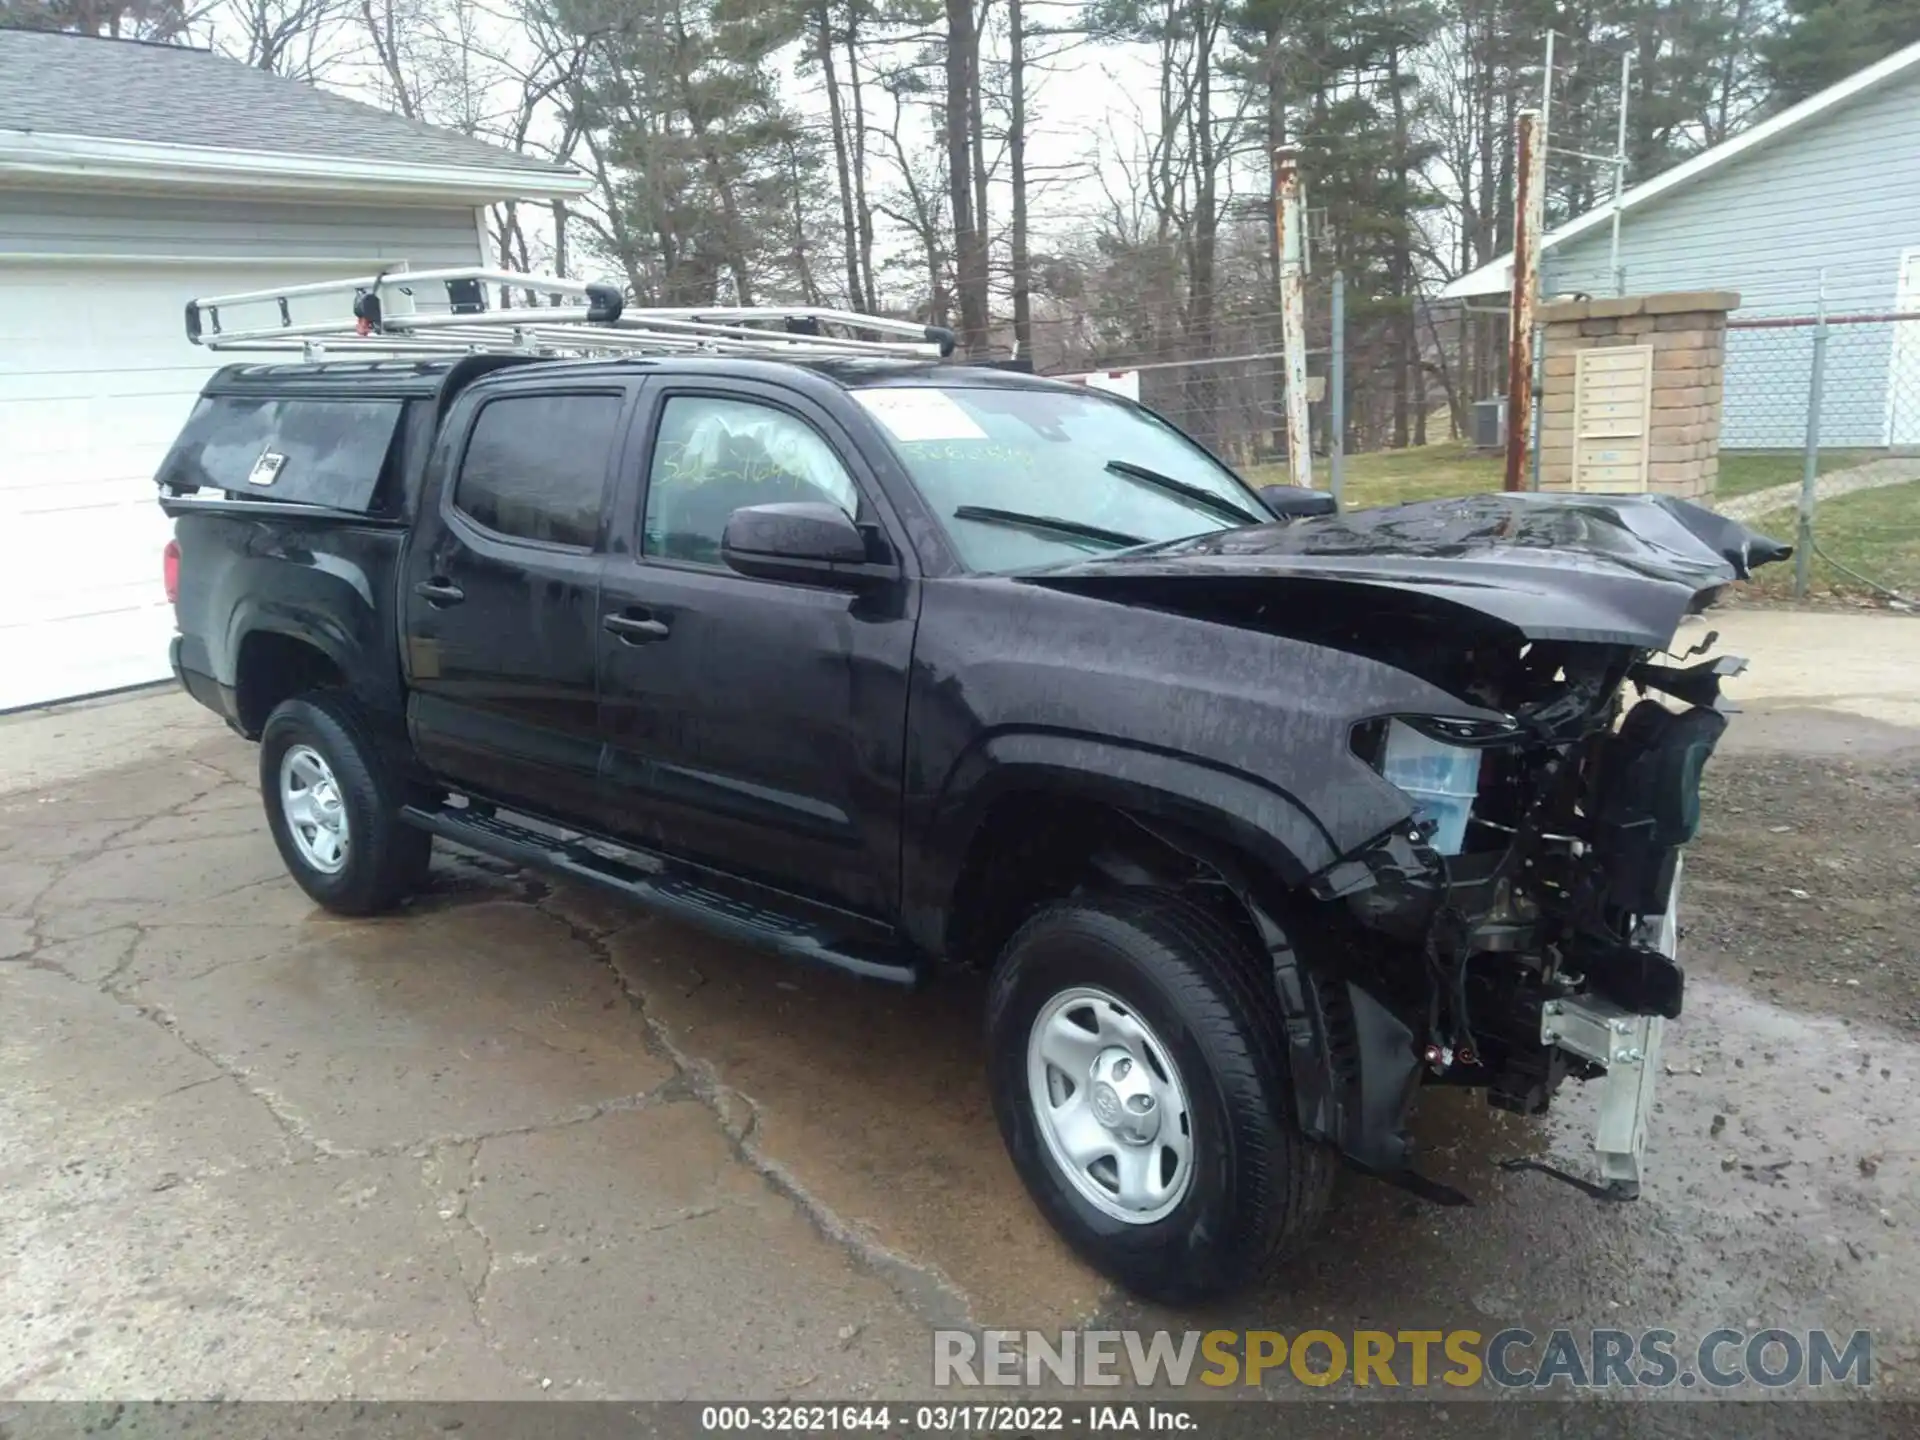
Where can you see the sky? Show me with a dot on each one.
(1087, 110)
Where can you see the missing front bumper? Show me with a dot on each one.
(1627, 1046)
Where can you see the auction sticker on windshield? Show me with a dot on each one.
(919, 414)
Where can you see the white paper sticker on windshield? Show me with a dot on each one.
(915, 413)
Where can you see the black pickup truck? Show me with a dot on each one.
(1259, 821)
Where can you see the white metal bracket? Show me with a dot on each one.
(1628, 1046)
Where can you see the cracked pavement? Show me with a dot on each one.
(522, 1139)
(250, 1149)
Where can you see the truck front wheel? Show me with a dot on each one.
(334, 812)
(1138, 1074)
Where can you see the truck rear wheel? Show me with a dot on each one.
(334, 812)
(1137, 1066)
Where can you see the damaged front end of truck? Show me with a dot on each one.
(1539, 940)
(1519, 925)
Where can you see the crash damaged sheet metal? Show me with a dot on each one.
(1608, 569)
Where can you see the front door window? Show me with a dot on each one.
(714, 456)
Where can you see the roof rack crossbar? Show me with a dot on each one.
(385, 314)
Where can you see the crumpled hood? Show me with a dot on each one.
(1613, 569)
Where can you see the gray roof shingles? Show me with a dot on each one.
(61, 84)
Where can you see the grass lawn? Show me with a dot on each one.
(1428, 472)
(1393, 477)
(1876, 532)
(1744, 471)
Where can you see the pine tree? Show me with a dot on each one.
(119, 19)
(1824, 41)
(706, 168)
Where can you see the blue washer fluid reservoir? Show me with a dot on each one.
(1441, 779)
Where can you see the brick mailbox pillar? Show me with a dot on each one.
(1647, 414)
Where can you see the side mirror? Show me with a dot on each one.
(808, 542)
(1290, 502)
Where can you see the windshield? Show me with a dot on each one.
(1029, 478)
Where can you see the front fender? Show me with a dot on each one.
(1258, 821)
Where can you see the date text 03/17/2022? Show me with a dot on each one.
(946, 1418)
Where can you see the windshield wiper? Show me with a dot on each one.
(1046, 524)
(1199, 495)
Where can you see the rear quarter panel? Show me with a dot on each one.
(317, 577)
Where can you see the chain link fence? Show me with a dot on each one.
(1225, 383)
(1234, 404)
(1228, 391)
(1820, 443)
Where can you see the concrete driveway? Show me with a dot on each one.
(521, 1140)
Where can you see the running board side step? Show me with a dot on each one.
(681, 892)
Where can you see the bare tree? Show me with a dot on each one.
(296, 38)
(916, 206)
(824, 52)
(1017, 159)
(385, 22)
(863, 212)
(970, 250)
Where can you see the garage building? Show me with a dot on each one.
(134, 177)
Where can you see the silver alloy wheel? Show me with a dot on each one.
(1110, 1105)
(316, 815)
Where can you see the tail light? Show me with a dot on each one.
(170, 570)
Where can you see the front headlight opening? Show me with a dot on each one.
(1441, 779)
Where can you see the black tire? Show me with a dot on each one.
(385, 860)
(1258, 1185)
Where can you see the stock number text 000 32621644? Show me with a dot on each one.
(942, 1419)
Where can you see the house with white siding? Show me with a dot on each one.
(1820, 200)
(133, 178)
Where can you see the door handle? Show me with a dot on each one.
(635, 629)
(440, 592)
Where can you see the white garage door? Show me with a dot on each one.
(96, 376)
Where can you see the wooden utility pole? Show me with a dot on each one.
(1289, 203)
(1529, 199)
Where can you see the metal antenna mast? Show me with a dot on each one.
(1619, 177)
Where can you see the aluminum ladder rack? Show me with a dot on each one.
(388, 315)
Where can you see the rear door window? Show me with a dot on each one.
(536, 466)
(308, 451)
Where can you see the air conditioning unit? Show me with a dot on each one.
(1490, 424)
